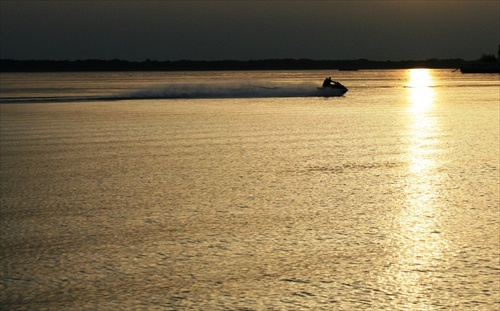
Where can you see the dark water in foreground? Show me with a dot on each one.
(384, 199)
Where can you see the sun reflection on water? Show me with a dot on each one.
(421, 92)
(417, 243)
(421, 97)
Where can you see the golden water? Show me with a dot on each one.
(385, 199)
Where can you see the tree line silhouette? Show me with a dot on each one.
(11, 65)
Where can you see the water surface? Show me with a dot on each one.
(384, 199)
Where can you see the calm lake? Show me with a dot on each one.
(247, 191)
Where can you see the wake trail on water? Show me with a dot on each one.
(227, 90)
(191, 91)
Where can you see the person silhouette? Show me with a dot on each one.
(328, 81)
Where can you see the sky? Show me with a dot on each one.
(249, 30)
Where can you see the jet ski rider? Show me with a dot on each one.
(328, 82)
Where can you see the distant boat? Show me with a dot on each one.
(480, 67)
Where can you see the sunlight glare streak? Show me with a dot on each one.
(418, 243)
(421, 92)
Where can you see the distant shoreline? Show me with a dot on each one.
(11, 65)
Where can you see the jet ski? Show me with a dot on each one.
(333, 88)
